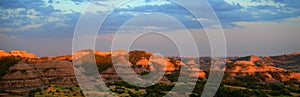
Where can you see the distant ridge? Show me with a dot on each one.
(250, 58)
(20, 53)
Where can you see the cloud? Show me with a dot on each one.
(7, 13)
(30, 26)
(66, 7)
(231, 11)
(293, 19)
(254, 3)
(20, 19)
(57, 14)
(17, 18)
(87, 6)
(53, 19)
(25, 27)
(140, 3)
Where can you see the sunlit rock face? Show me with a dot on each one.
(97, 52)
(32, 73)
(3, 53)
(264, 68)
(20, 53)
(143, 62)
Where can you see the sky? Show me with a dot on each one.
(251, 27)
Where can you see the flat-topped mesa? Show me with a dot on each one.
(20, 53)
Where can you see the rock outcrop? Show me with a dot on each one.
(40, 72)
(3, 53)
(27, 76)
(262, 68)
(22, 76)
(97, 52)
(20, 53)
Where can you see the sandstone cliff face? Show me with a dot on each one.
(27, 76)
(3, 53)
(287, 61)
(20, 53)
(143, 62)
(57, 72)
(264, 67)
(22, 76)
(65, 57)
(44, 71)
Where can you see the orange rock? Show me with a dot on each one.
(250, 58)
(97, 52)
(244, 62)
(20, 53)
(144, 62)
(3, 53)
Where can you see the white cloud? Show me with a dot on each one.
(129, 13)
(254, 3)
(107, 5)
(66, 6)
(290, 10)
(18, 19)
(12, 13)
(139, 3)
(69, 7)
(153, 28)
(25, 27)
(249, 6)
(263, 11)
(30, 26)
(293, 20)
(6, 14)
(54, 19)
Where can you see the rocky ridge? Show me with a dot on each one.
(20, 53)
(260, 67)
(27, 76)
(40, 72)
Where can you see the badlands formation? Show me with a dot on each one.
(32, 72)
(20, 53)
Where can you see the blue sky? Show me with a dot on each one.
(46, 27)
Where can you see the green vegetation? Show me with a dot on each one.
(226, 89)
(124, 89)
(57, 91)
